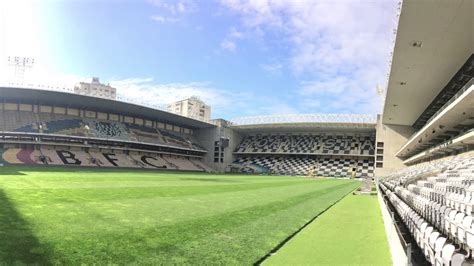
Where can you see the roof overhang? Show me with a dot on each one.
(445, 30)
(306, 128)
(459, 111)
(444, 148)
(350, 123)
(59, 98)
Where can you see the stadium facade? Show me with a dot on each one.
(37, 123)
(423, 119)
(422, 143)
(428, 133)
(47, 127)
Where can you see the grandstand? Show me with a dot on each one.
(42, 127)
(334, 145)
(65, 129)
(428, 132)
(419, 151)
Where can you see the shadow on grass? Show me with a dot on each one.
(18, 245)
(85, 169)
(4, 170)
(220, 180)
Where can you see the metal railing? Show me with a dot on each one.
(445, 105)
(305, 118)
(458, 94)
(65, 89)
(450, 101)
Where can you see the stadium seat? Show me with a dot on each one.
(431, 251)
(10, 156)
(307, 144)
(112, 159)
(433, 199)
(325, 166)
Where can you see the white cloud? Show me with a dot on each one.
(229, 43)
(175, 7)
(163, 19)
(273, 68)
(148, 91)
(273, 107)
(340, 47)
(172, 11)
(221, 101)
(235, 34)
(228, 46)
(19, 36)
(18, 32)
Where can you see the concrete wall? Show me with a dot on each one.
(393, 137)
(399, 257)
(208, 137)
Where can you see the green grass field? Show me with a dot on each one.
(72, 216)
(349, 233)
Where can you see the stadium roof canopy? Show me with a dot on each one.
(434, 40)
(67, 99)
(341, 122)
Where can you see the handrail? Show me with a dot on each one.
(442, 145)
(305, 118)
(455, 96)
(465, 88)
(445, 105)
(118, 98)
(32, 134)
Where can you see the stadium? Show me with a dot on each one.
(96, 180)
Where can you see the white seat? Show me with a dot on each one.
(439, 244)
(418, 225)
(466, 224)
(469, 206)
(469, 232)
(426, 240)
(433, 237)
(457, 223)
(449, 221)
(447, 254)
(465, 202)
(445, 219)
(458, 259)
(421, 234)
(457, 201)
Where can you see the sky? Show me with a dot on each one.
(242, 57)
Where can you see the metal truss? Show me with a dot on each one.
(306, 118)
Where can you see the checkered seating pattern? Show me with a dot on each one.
(48, 123)
(18, 121)
(78, 157)
(108, 130)
(327, 166)
(308, 144)
(435, 200)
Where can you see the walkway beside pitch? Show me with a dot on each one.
(349, 233)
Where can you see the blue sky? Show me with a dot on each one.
(243, 57)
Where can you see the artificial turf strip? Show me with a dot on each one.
(58, 216)
(349, 233)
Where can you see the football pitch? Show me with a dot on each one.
(74, 216)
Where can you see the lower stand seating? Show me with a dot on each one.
(112, 159)
(325, 166)
(96, 158)
(182, 163)
(435, 201)
(150, 161)
(201, 165)
(21, 156)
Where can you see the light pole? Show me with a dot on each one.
(20, 64)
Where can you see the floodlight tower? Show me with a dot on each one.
(20, 64)
(381, 92)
